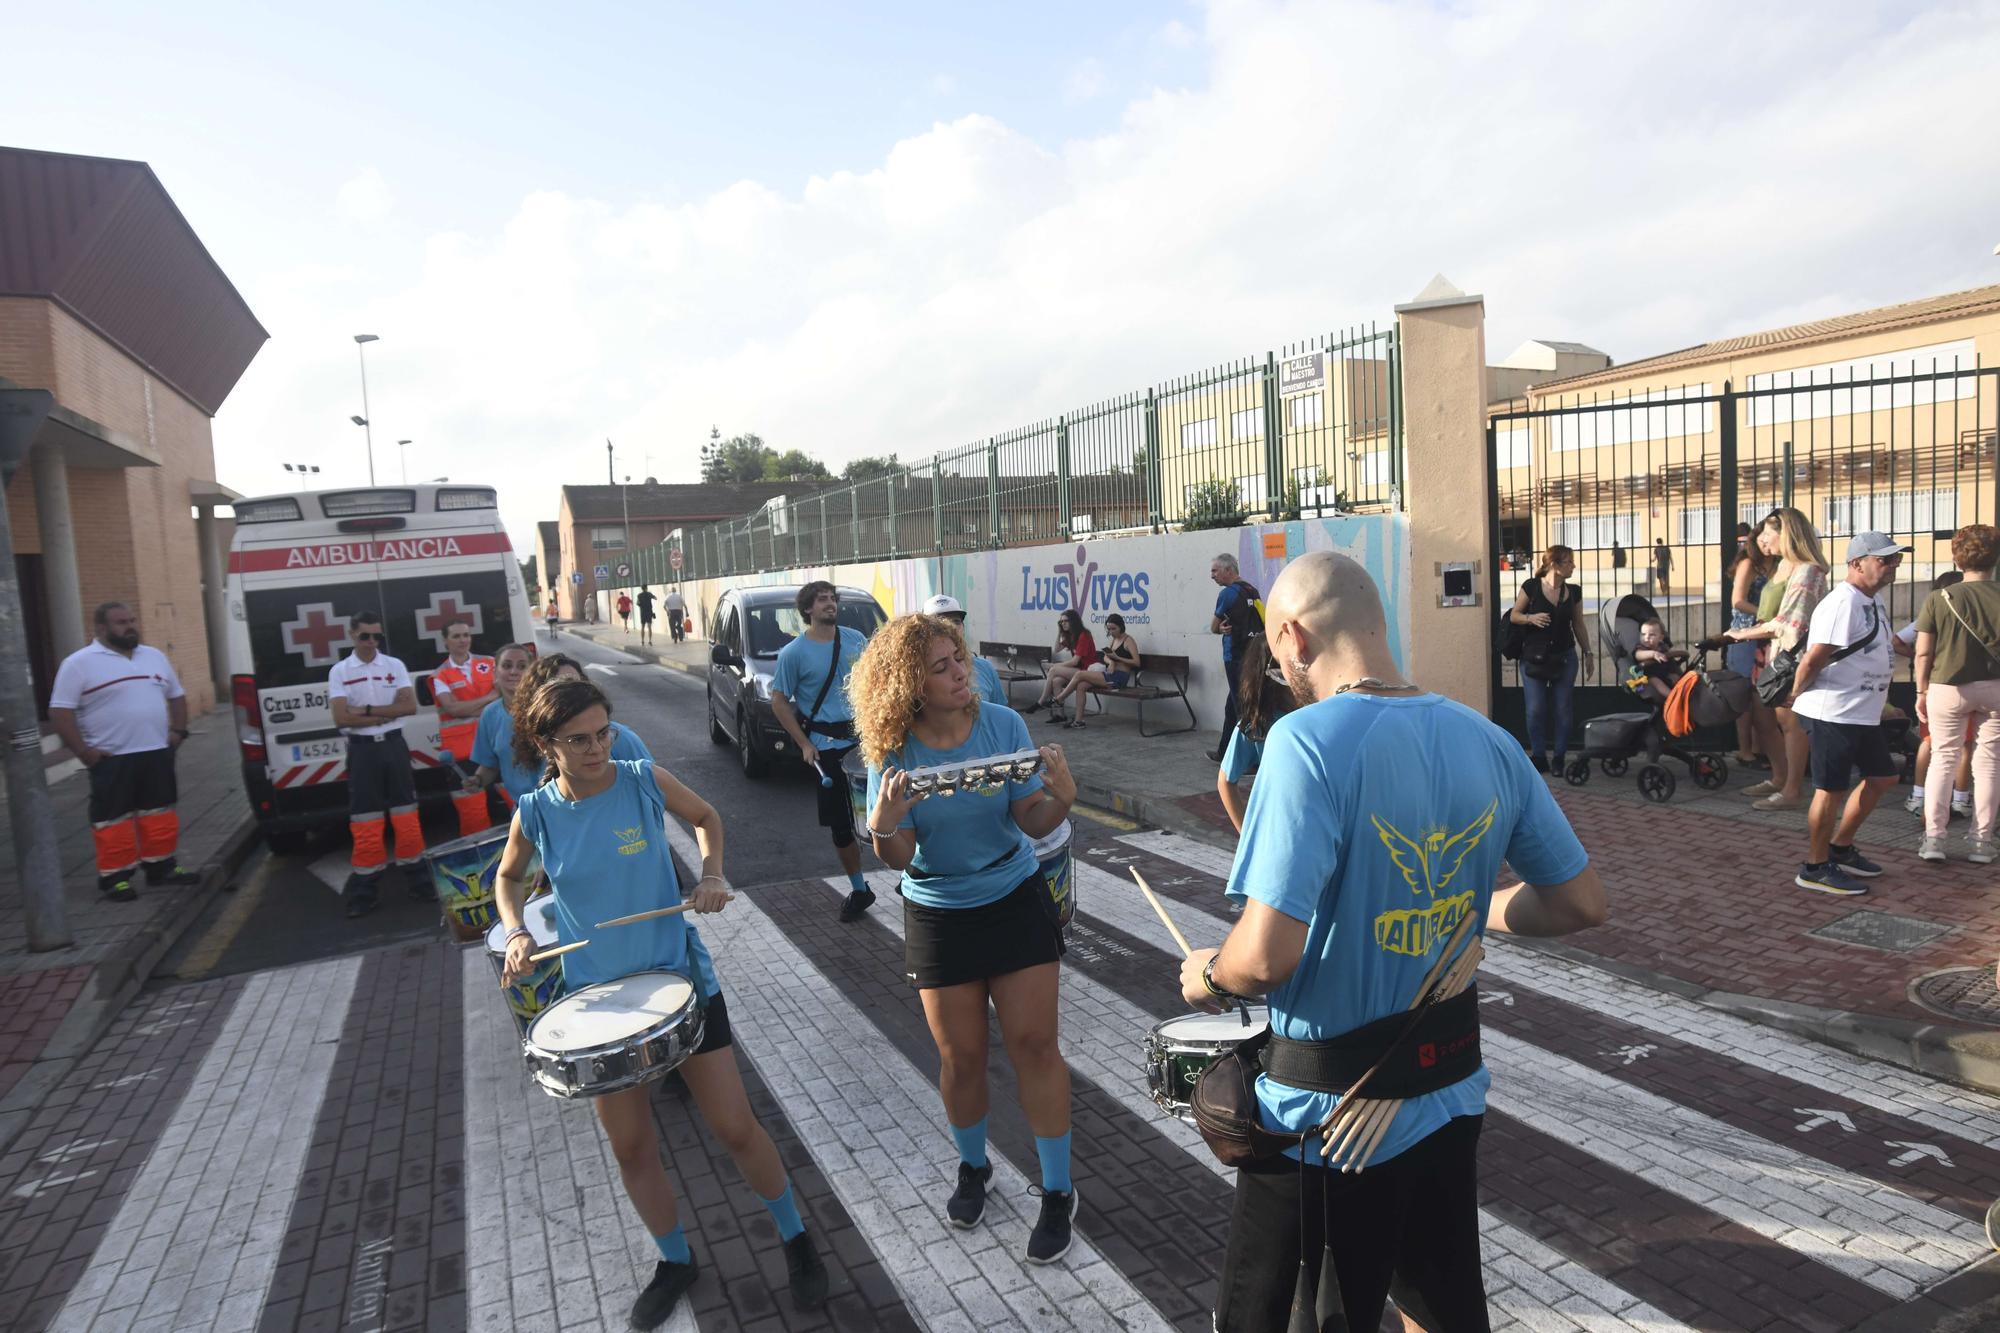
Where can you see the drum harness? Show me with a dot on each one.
(833, 731)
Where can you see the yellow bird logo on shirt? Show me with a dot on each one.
(1428, 867)
(632, 840)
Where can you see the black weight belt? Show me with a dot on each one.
(1441, 1050)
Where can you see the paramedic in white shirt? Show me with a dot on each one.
(370, 693)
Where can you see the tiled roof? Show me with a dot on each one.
(1979, 300)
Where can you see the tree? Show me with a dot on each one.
(867, 469)
(530, 580)
(747, 458)
(1214, 504)
(794, 465)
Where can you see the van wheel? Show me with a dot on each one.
(286, 842)
(747, 754)
(715, 731)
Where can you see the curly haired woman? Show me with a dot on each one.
(978, 923)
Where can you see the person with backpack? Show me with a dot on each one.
(809, 697)
(1238, 618)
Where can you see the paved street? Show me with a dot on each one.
(324, 1125)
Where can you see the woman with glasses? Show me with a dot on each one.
(517, 675)
(600, 827)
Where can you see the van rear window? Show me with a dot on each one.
(349, 504)
(284, 510)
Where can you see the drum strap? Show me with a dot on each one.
(1441, 1049)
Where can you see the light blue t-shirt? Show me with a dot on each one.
(986, 682)
(1242, 755)
(1379, 822)
(970, 852)
(802, 667)
(607, 856)
(493, 747)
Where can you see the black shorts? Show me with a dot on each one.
(1837, 750)
(949, 946)
(379, 779)
(836, 803)
(124, 784)
(1407, 1227)
(715, 1034)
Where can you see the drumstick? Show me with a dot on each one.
(559, 949)
(645, 916)
(1165, 920)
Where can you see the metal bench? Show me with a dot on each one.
(1141, 692)
(1017, 661)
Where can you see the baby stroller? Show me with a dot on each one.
(1701, 698)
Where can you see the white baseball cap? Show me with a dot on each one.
(941, 605)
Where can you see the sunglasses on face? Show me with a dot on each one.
(369, 636)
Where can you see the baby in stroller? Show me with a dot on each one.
(1656, 664)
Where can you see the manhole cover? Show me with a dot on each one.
(1882, 930)
(1960, 992)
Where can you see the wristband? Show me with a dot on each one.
(519, 930)
(1208, 981)
(874, 832)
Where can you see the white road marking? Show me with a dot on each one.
(196, 1238)
(601, 668)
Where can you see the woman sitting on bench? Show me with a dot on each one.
(1076, 651)
(1117, 668)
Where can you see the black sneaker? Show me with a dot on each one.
(857, 904)
(1077, 725)
(1034, 707)
(807, 1273)
(117, 888)
(1050, 1240)
(360, 895)
(1854, 863)
(657, 1301)
(1055, 715)
(171, 875)
(1829, 878)
(968, 1202)
(1541, 762)
(1215, 755)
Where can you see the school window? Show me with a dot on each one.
(1246, 425)
(1305, 411)
(1198, 434)
(1700, 527)
(1892, 512)
(1596, 532)
(607, 539)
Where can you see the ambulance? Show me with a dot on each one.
(300, 565)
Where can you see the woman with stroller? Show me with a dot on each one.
(1550, 608)
(1748, 578)
(1958, 688)
(1784, 612)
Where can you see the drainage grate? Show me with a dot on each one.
(1882, 930)
(1960, 992)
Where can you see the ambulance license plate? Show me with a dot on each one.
(326, 749)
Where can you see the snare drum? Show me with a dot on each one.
(1180, 1050)
(1058, 871)
(856, 770)
(543, 985)
(614, 1035)
(464, 871)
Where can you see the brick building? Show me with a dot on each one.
(109, 300)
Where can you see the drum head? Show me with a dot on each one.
(612, 1011)
(1052, 842)
(538, 914)
(1215, 1029)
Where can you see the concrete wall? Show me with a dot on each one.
(1158, 582)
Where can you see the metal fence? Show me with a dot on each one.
(1313, 428)
(1649, 488)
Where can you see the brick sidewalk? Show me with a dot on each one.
(59, 1001)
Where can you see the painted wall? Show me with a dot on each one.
(1158, 582)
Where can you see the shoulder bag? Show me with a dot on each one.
(1984, 646)
(836, 731)
(1774, 687)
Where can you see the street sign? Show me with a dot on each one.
(603, 573)
(674, 559)
(576, 578)
(624, 570)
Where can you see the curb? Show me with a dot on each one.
(115, 980)
(644, 653)
(1967, 1056)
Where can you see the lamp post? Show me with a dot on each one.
(403, 459)
(361, 341)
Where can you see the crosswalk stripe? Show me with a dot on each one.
(813, 1049)
(1883, 1237)
(196, 1238)
(544, 1203)
(1100, 1039)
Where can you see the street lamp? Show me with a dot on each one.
(404, 459)
(361, 341)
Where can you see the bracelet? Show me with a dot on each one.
(874, 832)
(1208, 980)
(706, 878)
(519, 930)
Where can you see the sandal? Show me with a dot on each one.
(1076, 725)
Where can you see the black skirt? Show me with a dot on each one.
(949, 946)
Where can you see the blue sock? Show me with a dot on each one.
(1055, 1163)
(674, 1247)
(860, 884)
(785, 1212)
(971, 1142)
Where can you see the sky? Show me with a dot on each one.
(898, 227)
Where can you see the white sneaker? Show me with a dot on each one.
(1961, 809)
(1915, 805)
(1931, 849)
(1983, 851)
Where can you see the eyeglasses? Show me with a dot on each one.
(368, 636)
(585, 741)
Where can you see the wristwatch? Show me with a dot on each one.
(1208, 980)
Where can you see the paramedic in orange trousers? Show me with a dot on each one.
(463, 686)
(370, 692)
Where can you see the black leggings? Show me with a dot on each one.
(1408, 1226)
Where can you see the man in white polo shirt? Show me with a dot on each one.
(120, 709)
(370, 693)
(1838, 694)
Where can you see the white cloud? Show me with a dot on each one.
(974, 279)
(1085, 81)
(365, 197)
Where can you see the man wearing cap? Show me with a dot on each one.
(1838, 693)
(985, 677)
